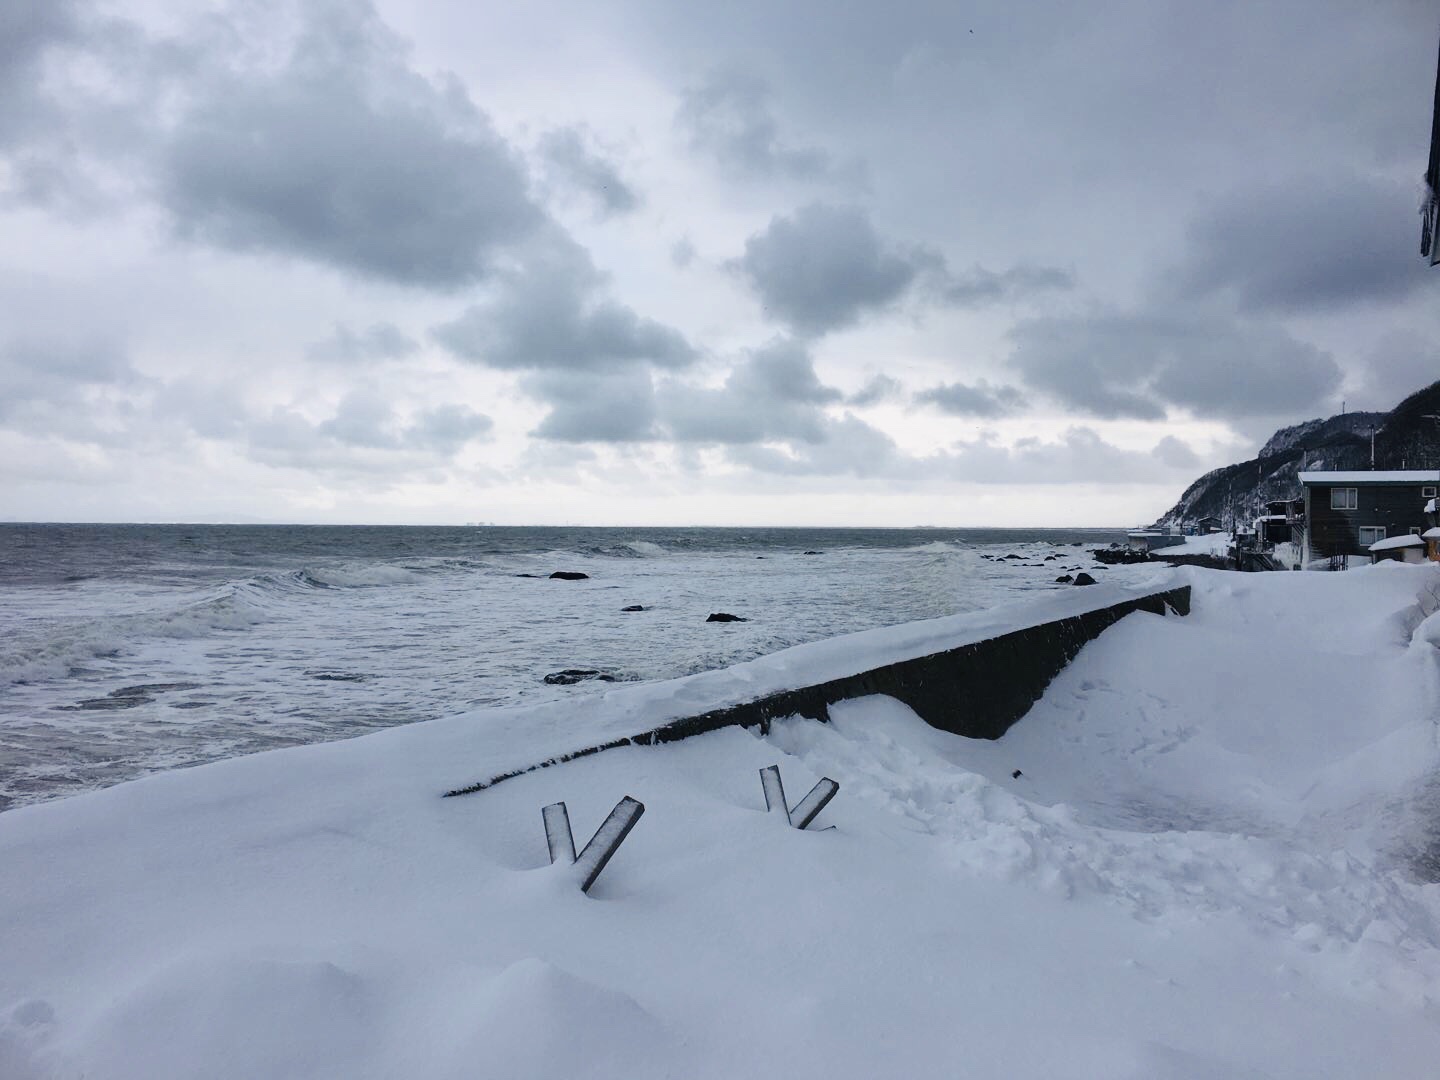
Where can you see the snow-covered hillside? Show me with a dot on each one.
(1208, 866)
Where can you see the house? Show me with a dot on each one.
(1346, 512)
(1432, 543)
(1208, 525)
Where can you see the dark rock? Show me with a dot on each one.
(527, 575)
(1064, 579)
(634, 607)
(812, 553)
(724, 616)
(1013, 556)
(568, 575)
(570, 676)
(1083, 578)
(1016, 775)
(337, 676)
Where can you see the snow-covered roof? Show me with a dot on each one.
(1393, 542)
(1394, 476)
(1431, 534)
(1430, 507)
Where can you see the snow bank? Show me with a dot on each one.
(1201, 871)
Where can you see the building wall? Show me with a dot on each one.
(1398, 508)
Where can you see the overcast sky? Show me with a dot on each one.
(645, 262)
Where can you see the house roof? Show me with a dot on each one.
(1393, 542)
(1431, 534)
(1396, 476)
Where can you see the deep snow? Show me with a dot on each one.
(1208, 867)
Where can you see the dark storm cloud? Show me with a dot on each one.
(548, 315)
(595, 407)
(1137, 366)
(774, 394)
(343, 154)
(570, 160)
(981, 399)
(825, 267)
(379, 341)
(727, 115)
(1314, 245)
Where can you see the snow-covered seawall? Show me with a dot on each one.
(977, 673)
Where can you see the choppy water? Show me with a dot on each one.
(128, 649)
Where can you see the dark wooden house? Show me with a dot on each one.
(1346, 512)
(1208, 525)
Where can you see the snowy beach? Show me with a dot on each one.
(1212, 863)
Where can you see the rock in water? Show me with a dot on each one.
(568, 575)
(1064, 579)
(1083, 578)
(724, 616)
(573, 675)
(634, 607)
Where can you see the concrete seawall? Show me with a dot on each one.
(978, 689)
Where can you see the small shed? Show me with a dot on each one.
(1208, 525)
(1432, 543)
(1408, 549)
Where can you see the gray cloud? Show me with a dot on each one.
(1078, 455)
(1314, 245)
(571, 161)
(546, 315)
(823, 267)
(877, 388)
(727, 115)
(1176, 454)
(594, 406)
(379, 341)
(1137, 365)
(29, 29)
(977, 286)
(365, 434)
(982, 399)
(846, 446)
(444, 429)
(774, 394)
(343, 154)
(46, 382)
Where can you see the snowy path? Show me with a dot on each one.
(1199, 875)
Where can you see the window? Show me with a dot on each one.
(1370, 534)
(1427, 492)
(1344, 498)
(1414, 530)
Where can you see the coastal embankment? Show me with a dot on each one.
(974, 686)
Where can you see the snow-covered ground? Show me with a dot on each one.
(1210, 866)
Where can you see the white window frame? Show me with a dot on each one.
(1427, 492)
(1415, 530)
(1374, 539)
(1349, 498)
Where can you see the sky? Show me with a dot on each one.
(635, 262)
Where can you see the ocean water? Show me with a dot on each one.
(127, 649)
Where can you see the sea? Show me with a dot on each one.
(129, 649)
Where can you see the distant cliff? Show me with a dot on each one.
(1404, 439)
